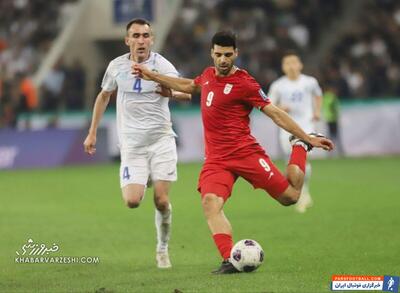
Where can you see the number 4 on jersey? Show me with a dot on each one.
(137, 86)
(125, 174)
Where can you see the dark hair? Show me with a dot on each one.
(224, 39)
(288, 53)
(140, 21)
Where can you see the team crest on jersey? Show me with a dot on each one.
(227, 89)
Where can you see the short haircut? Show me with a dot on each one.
(140, 21)
(291, 53)
(224, 39)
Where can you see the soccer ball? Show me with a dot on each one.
(247, 255)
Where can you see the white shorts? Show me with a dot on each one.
(157, 161)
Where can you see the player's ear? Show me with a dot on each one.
(236, 52)
(212, 52)
(127, 41)
(152, 37)
(301, 65)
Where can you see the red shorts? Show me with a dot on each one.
(218, 176)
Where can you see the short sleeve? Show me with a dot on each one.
(316, 89)
(109, 83)
(168, 69)
(273, 93)
(198, 80)
(255, 95)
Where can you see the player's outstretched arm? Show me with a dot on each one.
(184, 85)
(100, 106)
(180, 96)
(283, 120)
(172, 94)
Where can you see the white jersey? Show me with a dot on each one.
(298, 95)
(143, 116)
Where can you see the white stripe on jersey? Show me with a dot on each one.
(143, 116)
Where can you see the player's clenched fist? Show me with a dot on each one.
(89, 144)
(322, 142)
(141, 71)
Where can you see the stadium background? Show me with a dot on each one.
(52, 57)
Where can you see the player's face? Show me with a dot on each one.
(224, 58)
(292, 66)
(139, 39)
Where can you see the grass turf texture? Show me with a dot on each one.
(352, 229)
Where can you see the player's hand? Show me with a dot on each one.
(89, 144)
(322, 142)
(164, 91)
(141, 71)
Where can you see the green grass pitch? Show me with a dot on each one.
(353, 228)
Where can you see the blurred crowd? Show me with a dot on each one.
(263, 28)
(27, 30)
(363, 62)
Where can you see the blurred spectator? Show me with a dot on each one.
(75, 83)
(330, 111)
(17, 96)
(10, 102)
(53, 88)
(29, 98)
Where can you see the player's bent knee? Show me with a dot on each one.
(132, 200)
(211, 203)
(162, 203)
(287, 201)
(289, 197)
(133, 195)
(209, 200)
(132, 203)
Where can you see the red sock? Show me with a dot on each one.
(298, 157)
(224, 244)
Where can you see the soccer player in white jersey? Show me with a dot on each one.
(301, 97)
(146, 139)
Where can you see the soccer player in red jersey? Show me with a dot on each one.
(228, 95)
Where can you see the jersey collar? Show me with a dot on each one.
(235, 71)
(150, 59)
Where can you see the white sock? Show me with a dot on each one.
(305, 196)
(305, 189)
(163, 226)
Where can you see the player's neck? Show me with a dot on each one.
(138, 59)
(232, 71)
(293, 76)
